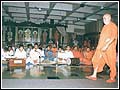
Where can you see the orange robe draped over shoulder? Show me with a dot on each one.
(108, 57)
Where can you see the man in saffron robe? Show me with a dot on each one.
(106, 50)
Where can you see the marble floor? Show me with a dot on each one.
(50, 72)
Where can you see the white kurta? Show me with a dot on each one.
(68, 54)
(4, 54)
(61, 54)
(34, 55)
(20, 54)
(11, 53)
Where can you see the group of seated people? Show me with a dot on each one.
(38, 54)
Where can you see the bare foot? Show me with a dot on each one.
(91, 77)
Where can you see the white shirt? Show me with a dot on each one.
(42, 53)
(28, 51)
(61, 54)
(11, 52)
(35, 54)
(68, 54)
(20, 54)
(4, 54)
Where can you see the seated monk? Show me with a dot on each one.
(87, 60)
(77, 53)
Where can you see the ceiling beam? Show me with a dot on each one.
(95, 6)
(7, 12)
(113, 15)
(27, 10)
(75, 7)
(66, 21)
(106, 7)
(99, 7)
(52, 4)
(46, 9)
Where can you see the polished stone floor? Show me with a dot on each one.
(48, 71)
(51, 75)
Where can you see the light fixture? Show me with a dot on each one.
(78, 19)
(39, 9)
(101, 7)
(92, 19)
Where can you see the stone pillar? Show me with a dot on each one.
(66, 39)
(50, 33)
(39, 34)
(4, 29)
(38, 38)
(16, 34)
(61, 40)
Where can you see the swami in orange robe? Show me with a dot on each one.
(106, 50)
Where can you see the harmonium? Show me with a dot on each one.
(16, 62)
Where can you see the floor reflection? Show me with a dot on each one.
(46, 72)
(36, 71)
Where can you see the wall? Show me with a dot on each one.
(93, 30)
(79, 30)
